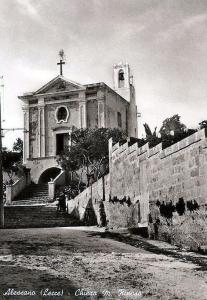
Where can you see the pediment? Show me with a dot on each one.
(59, 84)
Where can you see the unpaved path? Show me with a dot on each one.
(73, 262)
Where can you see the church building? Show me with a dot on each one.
(54, 110)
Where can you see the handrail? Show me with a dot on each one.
(12, 190)
(58, 180)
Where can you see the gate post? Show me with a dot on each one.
(51, 189)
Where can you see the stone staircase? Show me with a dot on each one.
(32, 194)
(32, 209)
(36, 216)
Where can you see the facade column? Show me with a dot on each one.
(69, 139)
(82, 110)
(41, 127)
(101, 108)
(101, 113)
(43, 131)
(25, 109)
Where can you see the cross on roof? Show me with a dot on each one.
(61, 63)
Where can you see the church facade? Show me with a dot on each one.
(51, 113)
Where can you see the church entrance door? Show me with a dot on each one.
(62, 140)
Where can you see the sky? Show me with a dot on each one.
(164, 41)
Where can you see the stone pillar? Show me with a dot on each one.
(51, 190)
(82, 110)
(25, 109)
(8, 194)
(41, 127)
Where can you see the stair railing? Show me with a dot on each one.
(12, 190)
(59, 180)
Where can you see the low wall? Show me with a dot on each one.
(90, 200)
(13, 190)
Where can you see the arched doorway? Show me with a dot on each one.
(49, 174)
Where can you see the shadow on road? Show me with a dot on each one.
(21, 279)
(142, 243)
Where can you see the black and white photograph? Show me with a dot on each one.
(103, 149)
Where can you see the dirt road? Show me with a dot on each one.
(67, 263)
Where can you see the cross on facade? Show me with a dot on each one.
(61, 63)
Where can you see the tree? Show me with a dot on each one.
(89, 152)
(18, 146)
(172, 126)
(151, 137)
(173, 131)
(203, 124)
(12, 160)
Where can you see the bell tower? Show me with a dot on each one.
(122, 80)
(123, 85)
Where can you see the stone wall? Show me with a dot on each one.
(118, 214)
(179, 171)
(164, 175)
(156, 176)
(140, 178)
(128, 176)
(90, 198)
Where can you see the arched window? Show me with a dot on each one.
(62, 114)
(121, 78)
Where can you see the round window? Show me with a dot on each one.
(62, 114)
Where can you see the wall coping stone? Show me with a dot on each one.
(118, 150)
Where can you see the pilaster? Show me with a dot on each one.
(41, 127)
(25, 109)
(70, 138)
(82, 110)
(101, 113)
(101, 107)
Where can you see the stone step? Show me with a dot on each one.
(27, 202)
(34, 192)
(41, 199)
(33, 195)
(36, 216)
(32, 198)
(35, 209)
